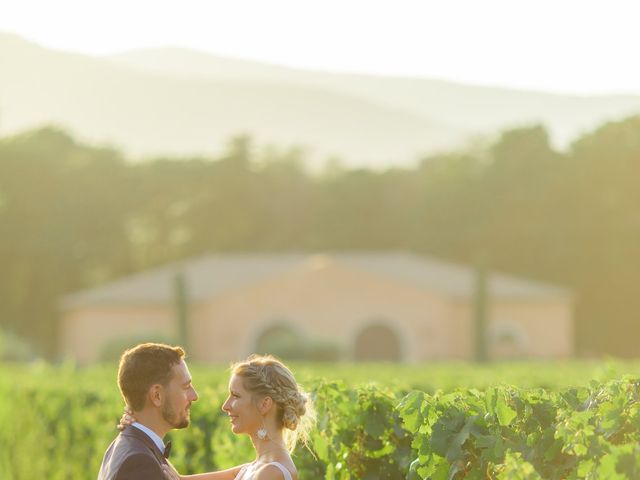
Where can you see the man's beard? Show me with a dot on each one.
(171, 417)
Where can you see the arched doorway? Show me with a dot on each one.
(282, 340)
(375, 343)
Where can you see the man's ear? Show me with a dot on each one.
(156, 395)
(265, 405)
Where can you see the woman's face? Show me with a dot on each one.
(241, 408)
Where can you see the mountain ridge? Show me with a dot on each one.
(178, 101)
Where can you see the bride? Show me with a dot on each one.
(266, 403)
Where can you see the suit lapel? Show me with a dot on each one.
(132, 431)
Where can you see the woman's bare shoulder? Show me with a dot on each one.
(272, 472)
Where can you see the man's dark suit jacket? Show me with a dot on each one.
(132, 456)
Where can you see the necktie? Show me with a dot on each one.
(167, 450)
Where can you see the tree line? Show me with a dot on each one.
(74, 215)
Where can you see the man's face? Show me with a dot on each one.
(179, 396)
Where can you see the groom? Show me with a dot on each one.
(156, 384)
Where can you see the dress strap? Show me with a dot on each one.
(240, 473)
(285, 472)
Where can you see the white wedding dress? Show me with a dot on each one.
(248, 471)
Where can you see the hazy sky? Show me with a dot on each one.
(583, 46)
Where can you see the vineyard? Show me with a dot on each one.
(520, 421)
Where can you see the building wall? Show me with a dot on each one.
(546, 326)
(461, 343)
(85, 331)
(325, 301)
(543, 329)
(330, 301)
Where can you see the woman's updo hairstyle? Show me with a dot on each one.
(265, 375)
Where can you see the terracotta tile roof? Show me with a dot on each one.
(208, 275)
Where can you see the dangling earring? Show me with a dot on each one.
(262, 432)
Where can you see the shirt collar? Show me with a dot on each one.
(152, 435)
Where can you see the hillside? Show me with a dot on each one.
(182, 102)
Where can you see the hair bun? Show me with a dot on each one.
(293, 410)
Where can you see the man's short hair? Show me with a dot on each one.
(145, 365)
